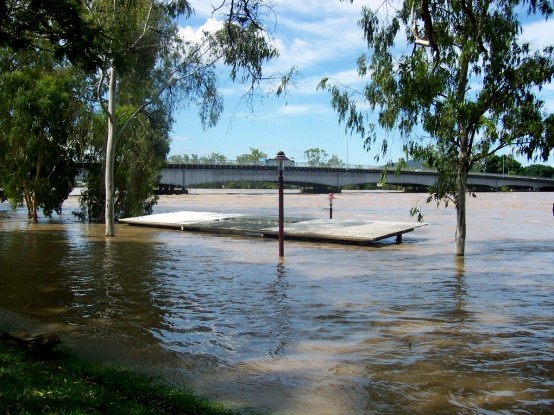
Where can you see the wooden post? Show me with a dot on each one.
(281, 217)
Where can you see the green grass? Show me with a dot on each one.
(64, 384)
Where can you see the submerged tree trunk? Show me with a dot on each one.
(461, 201)
(461, 222)
(110, 158)
(30, 201)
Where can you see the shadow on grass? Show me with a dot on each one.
(64, 384)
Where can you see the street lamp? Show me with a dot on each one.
(331, 197)
(281, 159)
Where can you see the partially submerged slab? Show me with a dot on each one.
(336, 230)
(346, 231)
(177, 218)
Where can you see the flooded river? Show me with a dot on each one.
(385, 329)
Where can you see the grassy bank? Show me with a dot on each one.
(64, 384)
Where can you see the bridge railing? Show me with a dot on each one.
(303, 164)
(270, 163)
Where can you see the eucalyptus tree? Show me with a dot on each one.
(539, 170)
(182, 158)
(214, 158)
(56, 26)
(142, 149)
(319, 157)
(465, 87)
(40, 126)
(335, 161)
(504, 164)
(255, 155)
(145, 49)
(316, 156)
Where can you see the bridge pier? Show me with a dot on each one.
(320, 190)
(170, 189)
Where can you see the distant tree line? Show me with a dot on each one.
(318, 157)
(313, 156)
(509, 165)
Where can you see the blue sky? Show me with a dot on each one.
(322, 39)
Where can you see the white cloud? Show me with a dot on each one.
(306, 44)
(310, 109)
(538, 34)
(194, 34)
(202, 8)
(180, 138)
(307, 33)
(547, 95)
(311, 9)
(348, 78)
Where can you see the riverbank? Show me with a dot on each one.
(64, 384)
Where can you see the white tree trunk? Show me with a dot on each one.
(110, 157)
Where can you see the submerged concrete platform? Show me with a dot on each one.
(359, 232)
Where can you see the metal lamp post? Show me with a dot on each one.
(331, 197)
(281, 159)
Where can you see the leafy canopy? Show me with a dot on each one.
(464, 88)
(39, 129)
(58, 26)
(470, 90)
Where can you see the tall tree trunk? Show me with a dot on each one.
(461, 222)
(35, 214)
(110, 157)
(30, 202)
(463, 155)
(461, 200)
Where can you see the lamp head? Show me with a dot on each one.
(281, 159)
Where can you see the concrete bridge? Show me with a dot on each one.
(186, 175)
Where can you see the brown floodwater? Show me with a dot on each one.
(384, 329)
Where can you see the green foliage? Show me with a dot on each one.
(244, 49)
(539, 170)
(58, 26)
(213, 158)
(243, 42)
(146, 49)
(182, 159)
(255, 155)
(334, 161)
(143, 51)
(319, 157)
(499, 164)
(216, 158)
(142, 151)
(315, 156)
(39, 131)
(465, 90)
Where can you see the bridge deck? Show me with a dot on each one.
(359, 232)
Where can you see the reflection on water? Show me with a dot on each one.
(331, 329)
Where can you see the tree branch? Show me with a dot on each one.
(429, 32)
